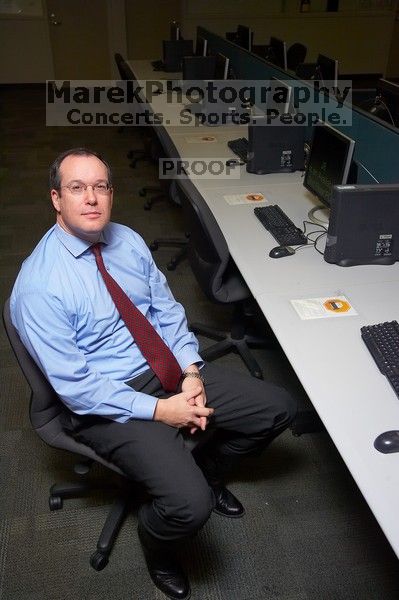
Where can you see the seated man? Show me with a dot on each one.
(99, 319)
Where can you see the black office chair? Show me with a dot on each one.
(152, 150)
(306, 71)
(296, 55)
(378, 108)
(47, 415)
(172, 242)
(179, 256)
(124, 70)
(160, 192)
(220, 280)
(137, 154)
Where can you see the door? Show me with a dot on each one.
(79, 39)
(62, 39)
(25, 53)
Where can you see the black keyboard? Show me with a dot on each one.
(240, 148)
(382, 340)
(280, 226)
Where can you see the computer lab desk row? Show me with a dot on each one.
(353, 399)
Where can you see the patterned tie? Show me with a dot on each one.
(151, 345)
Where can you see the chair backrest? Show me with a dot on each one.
(45, 406)
(46, 410)
(124, 70)
(208, 252)
(296, 54)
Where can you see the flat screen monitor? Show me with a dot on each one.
(329, 161)
(279, 97)
(244, 37)
(388, 99)
(327, 70)
(173, 52)
(201, 46)
(222, 66)
(277, 53)
(174, 31)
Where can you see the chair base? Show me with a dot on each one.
(136, 155)
(228, 342)
(148, 204)
(149, 189)
(177, 258)
(116, 515)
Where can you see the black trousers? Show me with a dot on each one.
(248, 414)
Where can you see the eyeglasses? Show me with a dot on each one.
(78, 187)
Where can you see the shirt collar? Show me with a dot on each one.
(75, 245)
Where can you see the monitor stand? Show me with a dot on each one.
(324, 215)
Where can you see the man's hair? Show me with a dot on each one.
(55, 176)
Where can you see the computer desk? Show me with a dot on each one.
(354, 401)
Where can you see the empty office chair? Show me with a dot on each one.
(161, 191)
(377, 107)
(136, 154)
(220, 280)
(171, 242)
(306, 71)
(296, 55)
(47, 418)
(151, 189)
(124, 70)
(152, 150)
(180, 255)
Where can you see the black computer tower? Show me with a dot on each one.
(275, 148)
(173, 52)
(364, 225)
(198, 67)
(213, 111)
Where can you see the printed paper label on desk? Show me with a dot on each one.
(251, 198)
(320, 308)
(201, 139)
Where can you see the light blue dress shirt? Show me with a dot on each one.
(68, 321)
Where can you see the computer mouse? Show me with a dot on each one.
(387, 442)
(280, 251)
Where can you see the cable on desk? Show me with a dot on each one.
(322, 231)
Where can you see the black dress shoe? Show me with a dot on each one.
(227, 504)
(165, 571)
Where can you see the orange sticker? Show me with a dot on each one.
(255, 197)
(337, 305)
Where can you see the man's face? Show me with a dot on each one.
(85, 214)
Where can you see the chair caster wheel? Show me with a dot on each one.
(154, 246)
(55, 502)
(142, 193)
(257, 374)
(81, 468)
(171, 266)
(98, 560)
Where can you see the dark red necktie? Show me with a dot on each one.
(150, 343)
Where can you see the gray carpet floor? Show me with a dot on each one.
(307, 533)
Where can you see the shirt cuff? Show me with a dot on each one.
(189, 357)
(144, 407)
